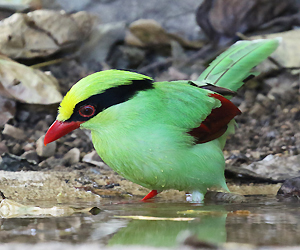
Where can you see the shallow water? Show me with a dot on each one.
(262, 221)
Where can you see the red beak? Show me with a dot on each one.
(59, 129)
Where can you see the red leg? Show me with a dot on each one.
(150, 195)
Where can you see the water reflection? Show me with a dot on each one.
(167, 233)
(267, 223)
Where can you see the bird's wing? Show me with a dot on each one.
(232, 67)
(203, 113)
(215, 124)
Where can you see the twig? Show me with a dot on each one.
(156, 65)
(242, 36)
(51, 62)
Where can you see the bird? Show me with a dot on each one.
(163, 135)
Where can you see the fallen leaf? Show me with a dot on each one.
(222, 19)
(7, 110)
(240, 212)
(13, 209)
(148, 32)
(42, 33)
(27, 85)
(274, 167)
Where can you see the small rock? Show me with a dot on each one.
(225, 197)
(3, 147)
(14, 132)
(72, 156)
(290, 187)
(17, 149)
(41, 125)
(45, 151)
(28, 147)
(257, 110)
(51, 162)
(94, 158)
(31, 155)
(76, 143)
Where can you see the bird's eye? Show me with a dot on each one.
(87, 111)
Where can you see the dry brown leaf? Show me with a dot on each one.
(43, 32)
(13, 209)
(27, 85)
(222, 19)
(240, 212)
(7, 110)
(148, 32)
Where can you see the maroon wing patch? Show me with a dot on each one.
(215, 124)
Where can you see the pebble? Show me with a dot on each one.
(257, 109)
(94, 158)
(14, 132)
(31, 155)
(51, 163)
(28, 147)
(3, 147)
(72, 156)
(45, 151)
(41, 125)
(290, 188)
(17, 149)
(225, 197)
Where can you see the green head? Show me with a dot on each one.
(93, 94)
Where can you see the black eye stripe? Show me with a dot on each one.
(110, 97)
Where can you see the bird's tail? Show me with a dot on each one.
(230, 69)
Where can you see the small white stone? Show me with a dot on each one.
(72, 156)
(45, 151)
(14, 132)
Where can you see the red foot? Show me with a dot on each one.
(150, 195)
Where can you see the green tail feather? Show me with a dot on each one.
(230, 68)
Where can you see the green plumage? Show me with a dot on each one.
(146, 139)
